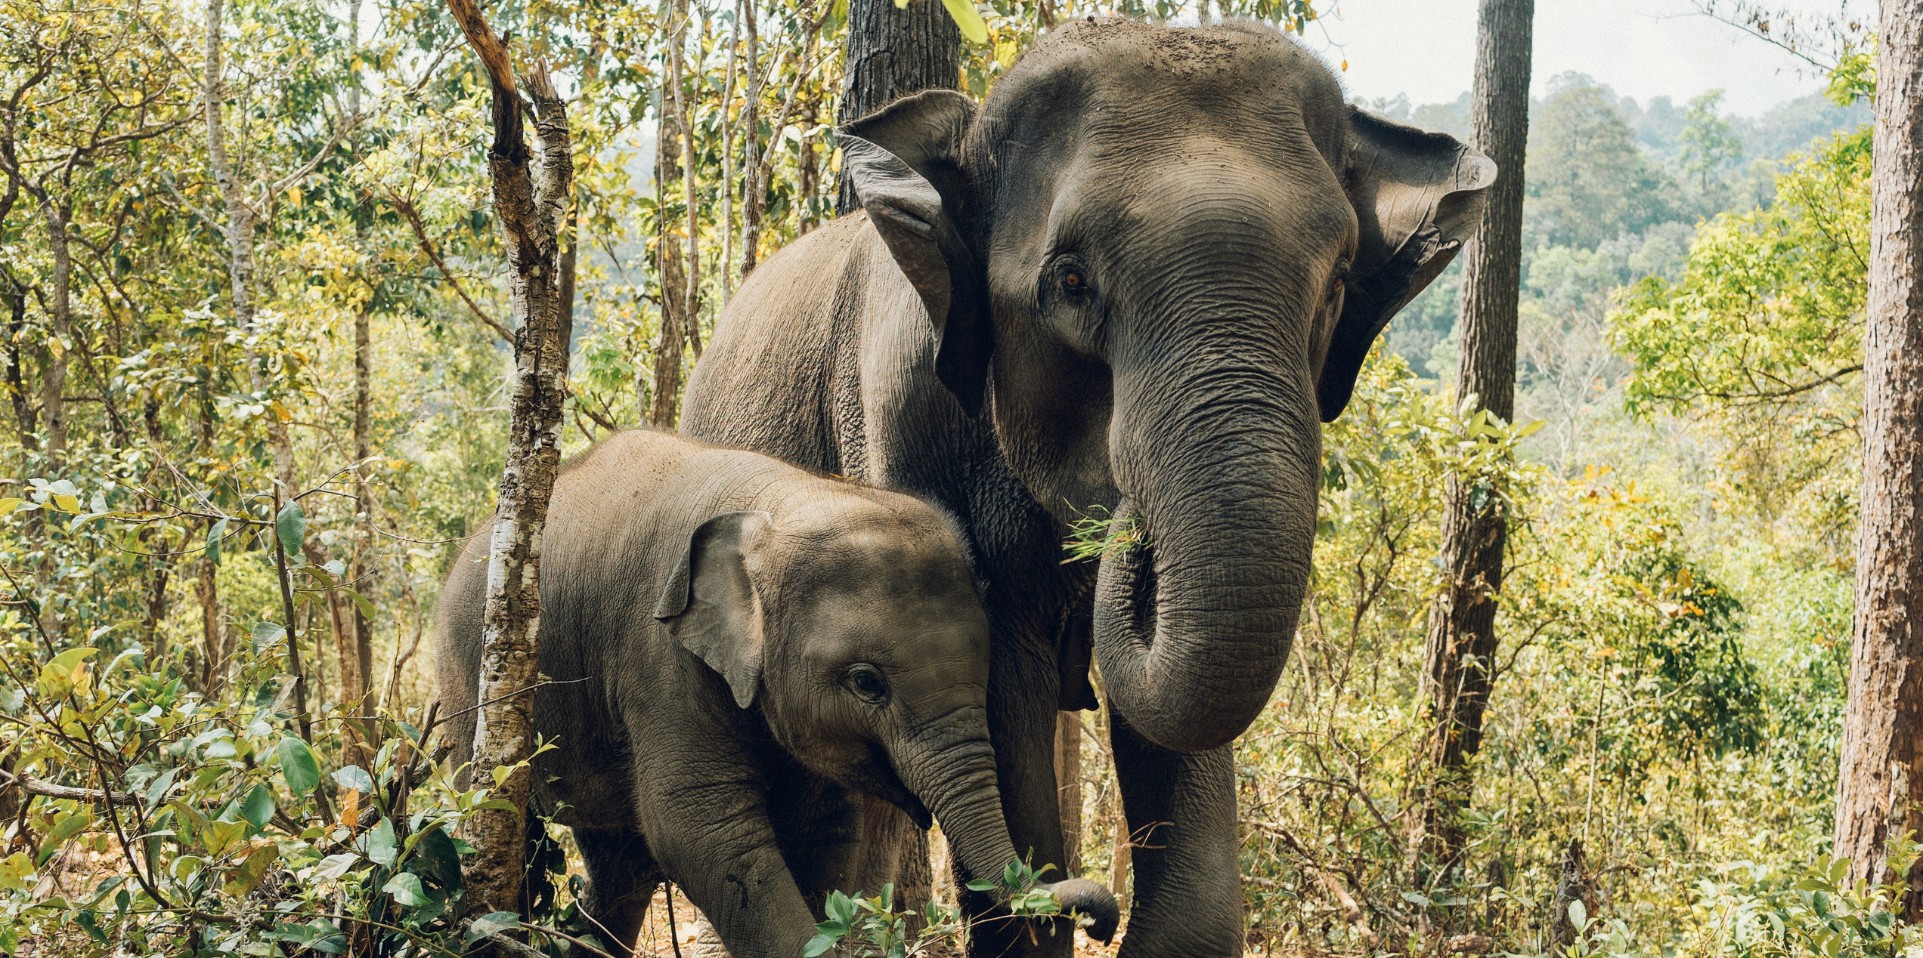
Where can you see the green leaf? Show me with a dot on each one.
(14, 871)
(968, 19)
(267, 634)
(334, 866)
(215, 534)
(819, 945)
(69, 825)
(9, 503)
(406, 889)
(326, 937)
(492, 923)
(355, 778)
(1578, 915)
(291, 527)
(258, 807)
(252, 869)
(381, 846)
(298, 765)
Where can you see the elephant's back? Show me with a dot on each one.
(599, 558)
(782, 358)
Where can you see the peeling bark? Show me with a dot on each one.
(530, 200)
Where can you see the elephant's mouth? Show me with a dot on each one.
(877, 777)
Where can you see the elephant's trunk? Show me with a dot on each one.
(954, 774)
(1193, 628)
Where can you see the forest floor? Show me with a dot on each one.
(656, 942)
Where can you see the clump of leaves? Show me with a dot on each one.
(1821, 914)
(1097, 534)
(873, 927)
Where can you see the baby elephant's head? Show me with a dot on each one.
(854, 624)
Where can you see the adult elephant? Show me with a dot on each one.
(1137, 278)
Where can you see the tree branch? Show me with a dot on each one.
(413, 218)
(34, 786)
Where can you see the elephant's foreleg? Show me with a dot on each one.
(709, 829)
(621, 880)
(1181, 819)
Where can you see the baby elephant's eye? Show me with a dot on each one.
(867, 682)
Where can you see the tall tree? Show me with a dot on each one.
(680, 267)
(1462, 627)
(894, 51)
(531, 199)
(1880, 789)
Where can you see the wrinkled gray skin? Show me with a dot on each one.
(754, 658)
(1154, 260)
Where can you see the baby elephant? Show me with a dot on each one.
(747, 658)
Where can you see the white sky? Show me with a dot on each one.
(1641, 48)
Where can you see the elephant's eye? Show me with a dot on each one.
(1074, 283)
(866, 682)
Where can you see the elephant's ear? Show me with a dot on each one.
(1418, 197)
(710, 604)
(904, 164)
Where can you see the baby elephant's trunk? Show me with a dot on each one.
(954, 775)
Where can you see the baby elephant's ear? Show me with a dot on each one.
(710, 604)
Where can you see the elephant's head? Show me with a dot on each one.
(854, 625)
(1160, 256)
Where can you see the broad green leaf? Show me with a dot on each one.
(407, 889)
(9, 503)
(492, 923)
(381, 845)
(219, 836)
(298, 766)
(325, 937)
(252, 869)
(291, 527)
(258, 807)
(334, 866)
(354, 778)
(14, 871)
(69, 825)
(215, 534)
(968, 19)
(267, 634)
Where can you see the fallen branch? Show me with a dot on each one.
(44, 789)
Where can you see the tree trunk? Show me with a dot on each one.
(1068, 783)
(1880, 786)
(53, 383)
(530, 200)
(892, 52)
(1461, 633)
(360, 573)
(753, 194)
(26, 420)
(675, 261)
